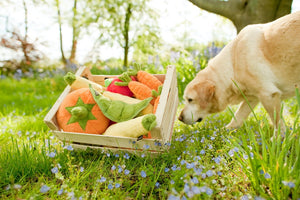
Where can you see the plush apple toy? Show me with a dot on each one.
(112, 87)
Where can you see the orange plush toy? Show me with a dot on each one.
(80, 113)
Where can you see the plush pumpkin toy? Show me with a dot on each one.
(80, 113)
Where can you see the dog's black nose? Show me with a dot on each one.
(199, 120)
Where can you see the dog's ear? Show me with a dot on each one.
(207, 91)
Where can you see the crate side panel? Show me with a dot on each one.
(112, 141)
(169, 79)
(170, 112)
(50, 118)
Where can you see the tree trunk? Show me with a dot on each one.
(24, 43)
(75, 33)
(126, 34)
(60, 31)
(245, 12)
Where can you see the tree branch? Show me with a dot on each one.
(220, 7)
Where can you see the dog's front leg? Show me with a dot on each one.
(242, 113)
(272, 104)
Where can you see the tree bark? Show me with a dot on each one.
(75, 33)
(24, 43)
(126, 34)
(60, 32)
(245, 12)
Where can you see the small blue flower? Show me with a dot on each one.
(219, 173)
(157, 143)
(202, 151)
(126, 156)
(54, 170)
(172, 182)
(267, 176)
(172, 197)
(231, 153)
(117, 185)
(209, 173)
(195, 180)
(52, 154)
(102, 180)
(245, 156)
(182, 162)
(117, 155)
(258, 198)
(203, 175)
(167, 169)
(261, 172)
(143, 174)
(71, 195)
(202, 139)
(157, 184)
(59, 192)
(209, 191)
(198, 171)
(291, 184)
(110, 186)
(195, 190)
(190, 165)
(217, 160)
(245, 197)
(81, 169)
(168, 144)
(113, 167)
(44, 189)
(120, 169)
(146, 146)
(69, 147)
(174, 167)
(126, 171)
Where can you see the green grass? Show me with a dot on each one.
(205, 161)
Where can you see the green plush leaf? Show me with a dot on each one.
(81, 113)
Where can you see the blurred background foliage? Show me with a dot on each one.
(131, 26)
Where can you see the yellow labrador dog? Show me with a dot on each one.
(263, 61)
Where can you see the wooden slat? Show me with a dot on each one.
(138, 152)
(163, 102)
(112, 141)
(100, 78)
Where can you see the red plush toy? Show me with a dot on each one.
(124, 90)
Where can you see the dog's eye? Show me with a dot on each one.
(190, 100)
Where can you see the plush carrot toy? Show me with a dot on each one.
(156, 104)
(140, 90)
(148, 79)
(80, 113)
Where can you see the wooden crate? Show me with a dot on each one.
(161, 134)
